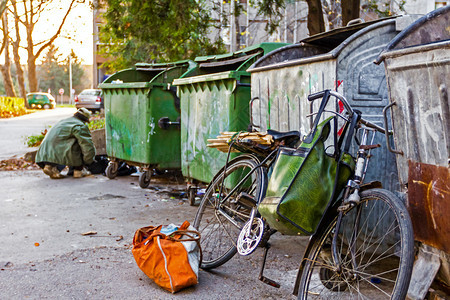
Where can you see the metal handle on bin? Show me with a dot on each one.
(388, 143)
(253, 126)
(165, 123)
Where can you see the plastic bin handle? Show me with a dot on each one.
(165, 123)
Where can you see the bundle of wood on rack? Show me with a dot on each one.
(223, 140)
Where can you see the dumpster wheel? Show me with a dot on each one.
(144, 179)
(112, 170)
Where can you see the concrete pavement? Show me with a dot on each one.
(67, 265)
(44, 254)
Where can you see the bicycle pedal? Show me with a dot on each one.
(269, 282)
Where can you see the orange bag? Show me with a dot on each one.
(171, 261)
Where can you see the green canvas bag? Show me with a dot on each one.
(303, 183)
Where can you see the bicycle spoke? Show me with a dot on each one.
(370, 246)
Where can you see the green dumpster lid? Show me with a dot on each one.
(147, 74)
(248, 51)
(238, 61)
(161, 66)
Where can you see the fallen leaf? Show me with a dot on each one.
(89, 233)
(119, 238)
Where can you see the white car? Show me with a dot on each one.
(91, 99)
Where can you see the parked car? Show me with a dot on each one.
(91, 99)
(41, 100)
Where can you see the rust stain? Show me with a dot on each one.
(429, 204)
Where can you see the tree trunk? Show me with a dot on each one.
(238, 33)
(350, 10)
(19, 70)
(15, 44)
(6, 72)
(6, 68)
(315, 17)
(7, 81)
(32, 78)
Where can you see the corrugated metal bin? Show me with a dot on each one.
(341, 59)
(142, 117)
(417, 64)
(214, 101)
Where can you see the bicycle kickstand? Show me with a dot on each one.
(261, 276)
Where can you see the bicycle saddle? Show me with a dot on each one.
(290, 138)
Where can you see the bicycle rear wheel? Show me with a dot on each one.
(376, 248)
(219, 222)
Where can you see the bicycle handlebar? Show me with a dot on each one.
(347, 106)
(323, 93)
(315, 96)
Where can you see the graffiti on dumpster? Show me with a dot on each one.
(151, 124)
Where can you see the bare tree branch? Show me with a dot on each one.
(50, 41)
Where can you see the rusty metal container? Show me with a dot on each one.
(417, 64)
(340, 59)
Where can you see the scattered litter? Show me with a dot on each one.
(375, 280)
(117, 237)
(89, 233)
(154, 187)
(172, 193)
(36, 244)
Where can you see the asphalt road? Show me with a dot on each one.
(13, 131)
(45, 256)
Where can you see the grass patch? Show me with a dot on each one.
(36, 140)
(65, 105)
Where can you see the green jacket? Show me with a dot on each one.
(69, 143)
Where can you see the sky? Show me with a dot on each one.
(76, 33)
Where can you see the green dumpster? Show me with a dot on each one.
(142, 115)
(213, 100)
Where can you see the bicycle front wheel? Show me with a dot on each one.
(375, 246)
(226, 207)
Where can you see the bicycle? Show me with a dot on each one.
(363, 245)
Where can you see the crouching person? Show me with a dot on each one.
(68, 143)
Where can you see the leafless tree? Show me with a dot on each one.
(28, 15)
